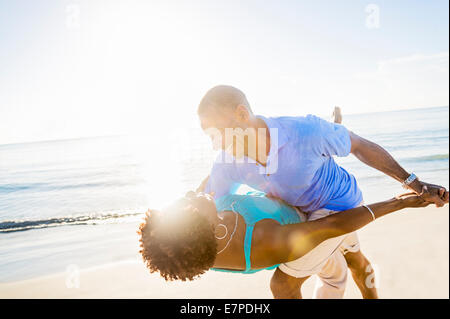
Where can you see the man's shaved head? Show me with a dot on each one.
(222, 98)
(225, 116)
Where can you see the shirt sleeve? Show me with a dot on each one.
(331, 138)
(220, 179)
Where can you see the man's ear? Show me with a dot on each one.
(242, 114)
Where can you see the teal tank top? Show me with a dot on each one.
(253, 207)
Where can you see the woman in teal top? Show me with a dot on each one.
(254, 207)
(242, 233)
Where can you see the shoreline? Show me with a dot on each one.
(403, 247)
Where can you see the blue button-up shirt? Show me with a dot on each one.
(300, 168)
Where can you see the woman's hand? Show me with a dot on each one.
(412, 200)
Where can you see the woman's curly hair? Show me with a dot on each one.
(179, 243)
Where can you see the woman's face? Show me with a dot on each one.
(205, 205)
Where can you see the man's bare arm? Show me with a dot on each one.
(377, 157)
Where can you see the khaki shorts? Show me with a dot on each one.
(315, 260)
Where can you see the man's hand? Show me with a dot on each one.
(431, 193)
(201, 187)
(272, 196)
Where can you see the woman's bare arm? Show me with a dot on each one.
(290, 242)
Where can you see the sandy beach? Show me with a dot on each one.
(410, 250)
(111, 109)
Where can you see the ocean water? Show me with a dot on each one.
(79, 202)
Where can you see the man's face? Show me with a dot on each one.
(230, 132)
(215, 127)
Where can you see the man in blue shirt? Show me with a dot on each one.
(291, 158)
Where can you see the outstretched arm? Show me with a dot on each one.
(290, 242)
(330, 139)
(377, 157)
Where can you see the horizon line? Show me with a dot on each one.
(125, 134)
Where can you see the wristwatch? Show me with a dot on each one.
(411, 178)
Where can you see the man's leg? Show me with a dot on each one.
(332, 278)
(362, 273)
(289, 276)
(330, 284)
(284, 286)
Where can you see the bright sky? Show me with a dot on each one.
(79, 68)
